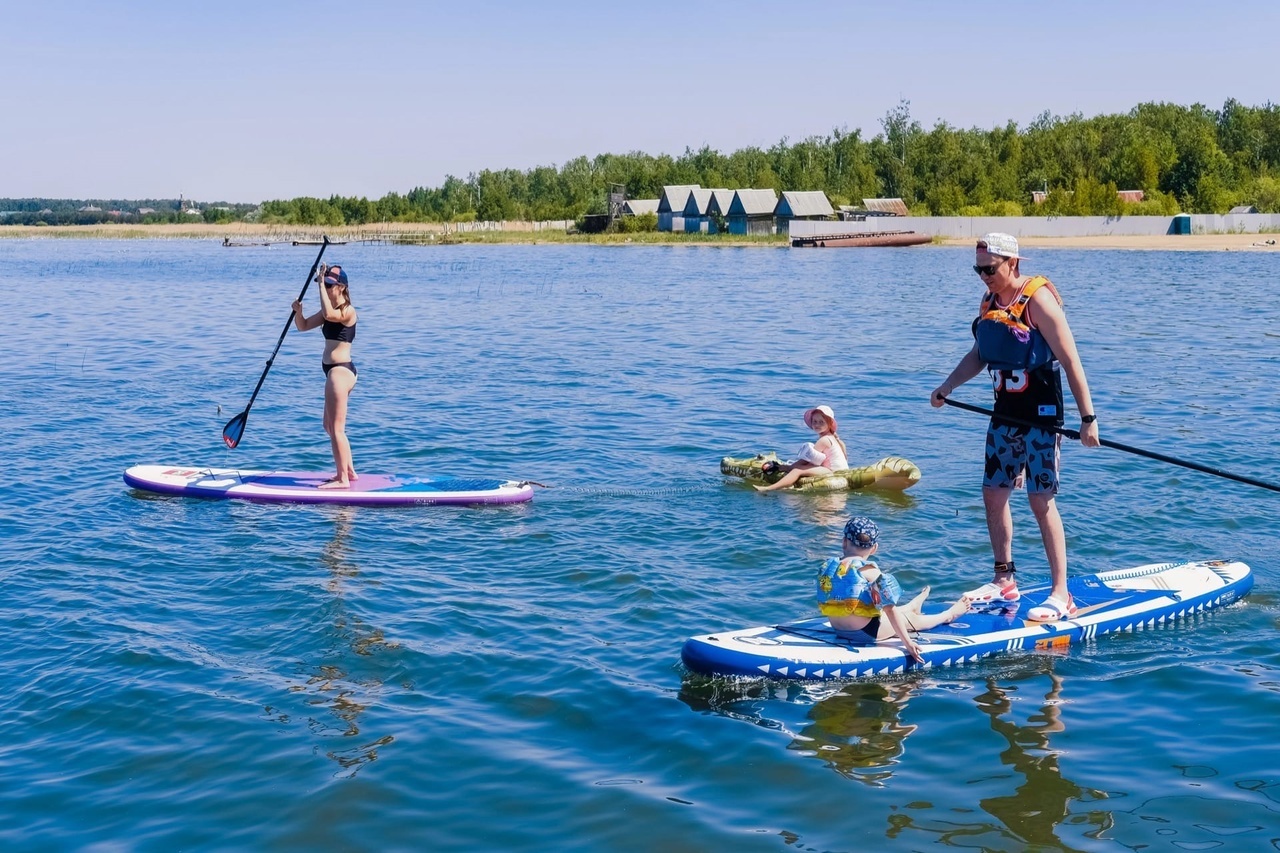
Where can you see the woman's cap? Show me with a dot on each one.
(826, 413)
(999, 243)
(335, 275)
(862, 531)
(810, 453)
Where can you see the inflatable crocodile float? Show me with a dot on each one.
(892, 473)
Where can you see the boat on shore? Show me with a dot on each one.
(868, 238)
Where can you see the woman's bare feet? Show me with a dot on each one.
(334, 483)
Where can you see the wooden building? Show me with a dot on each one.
(697, 211)
(1126, 196)
(872, 208)
(671, 205)
(720, 202)
(751, 212)
(885, 206)
(807, 204)
(637, 206)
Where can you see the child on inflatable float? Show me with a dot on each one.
(853, 592)
(820, 458)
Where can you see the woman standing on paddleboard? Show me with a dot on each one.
(337, 321)
(1021, 337)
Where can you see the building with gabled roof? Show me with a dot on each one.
(801, 204)
(751, 212)
(886, 206)
(720, 202)
(637, 206)
(697, 211)
(671, 204)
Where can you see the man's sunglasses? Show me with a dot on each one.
(987, 269)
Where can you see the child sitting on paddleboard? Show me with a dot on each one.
(820, 458)
(853, 593)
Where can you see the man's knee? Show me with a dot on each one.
(1042, 503)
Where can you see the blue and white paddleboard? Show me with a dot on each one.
(303, 487)
(1106, 603)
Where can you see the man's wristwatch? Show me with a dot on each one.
(1088, 419)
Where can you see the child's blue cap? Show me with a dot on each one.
(335, 275)
(862, 531)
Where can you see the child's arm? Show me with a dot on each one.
(889, 591)
(900, 628)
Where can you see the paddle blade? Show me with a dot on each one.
(234, 430)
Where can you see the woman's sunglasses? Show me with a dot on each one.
(987, 269)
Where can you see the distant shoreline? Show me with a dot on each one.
(435, 233)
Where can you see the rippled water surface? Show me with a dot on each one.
(218, 675)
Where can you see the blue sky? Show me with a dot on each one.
(245, 101)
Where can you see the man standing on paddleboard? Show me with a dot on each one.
(1022, 339)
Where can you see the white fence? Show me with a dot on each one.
(1043, 226)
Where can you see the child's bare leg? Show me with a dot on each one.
(800, 469)
(918, 621)
(913, 606)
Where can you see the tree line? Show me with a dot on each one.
(68, 211)
(1184, 158)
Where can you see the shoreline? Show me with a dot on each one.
(433, 233)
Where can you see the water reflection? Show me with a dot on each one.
(855, 728)
(1042, 800)
(860, 730)
(823, 510)
(334, 688)
(828, 508)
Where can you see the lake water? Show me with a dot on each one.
(219, 675)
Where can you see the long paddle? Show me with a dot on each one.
(234, 430)
(1070, 433)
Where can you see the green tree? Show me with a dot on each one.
(1182, 157)
(1264, 194)
(890, 151)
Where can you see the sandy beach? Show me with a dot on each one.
(241, 232)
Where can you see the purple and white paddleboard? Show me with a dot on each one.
(303, 487)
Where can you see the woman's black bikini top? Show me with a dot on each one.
(335, 331)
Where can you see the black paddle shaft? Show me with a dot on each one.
(1070, 433)
(234, 430)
